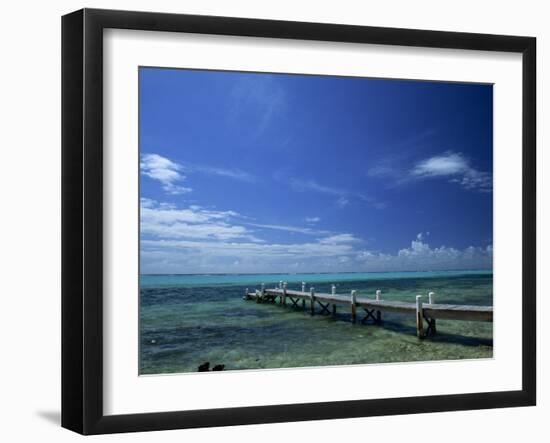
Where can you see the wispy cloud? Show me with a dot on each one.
(456, 168)
(295, 229)
(233, 173)
(165, 171)
(194, 222)
(312, 220)
(344, 197)
(171, 174)
(338, 239)
(264, 95)
(393, 163)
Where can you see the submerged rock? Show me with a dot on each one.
(205, 367)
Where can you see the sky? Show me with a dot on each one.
(279, 173)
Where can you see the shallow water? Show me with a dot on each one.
(188, 320)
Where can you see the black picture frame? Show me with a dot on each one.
(82, 215)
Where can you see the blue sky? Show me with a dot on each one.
(248, 172)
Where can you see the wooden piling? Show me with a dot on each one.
(432, 327)
(333, 289)
(303, 286)
(312, 305)
(353, 306)
(283, 298)
(419, 315)
(378, 312)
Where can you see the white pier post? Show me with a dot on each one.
(281, 284)
(378, 312)
(284, 294)
(303, 286)
(262, 292)
(353, 303)
(419, 324)
(246, 294)
(333, 289)
(312, 305)
(431, 322)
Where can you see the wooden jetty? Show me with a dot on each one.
(423, 312)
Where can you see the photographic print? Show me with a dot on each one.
(291, 221)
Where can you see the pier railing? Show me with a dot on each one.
(373, 307)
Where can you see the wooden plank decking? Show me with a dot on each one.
(428, 312)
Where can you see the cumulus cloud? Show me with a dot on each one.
(420, 256)
(456, 168)
(199, 239)
(165, 171)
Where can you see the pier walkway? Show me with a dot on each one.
(423, 312)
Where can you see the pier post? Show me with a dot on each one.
(312, 305)
(246, 294)
(283, 299)
(281, 284)
(303, 286)
(419, 315)
(353, 307)
(333, 289)
(262, 293)
(432, 328)
(378, 312)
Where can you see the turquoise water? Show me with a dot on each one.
(186, 320)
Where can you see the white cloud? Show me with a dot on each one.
(456, 168)
(165, 171)
(170, 174)
(323, 255)
(338, 239)
(198, 239)
(312, 220)
(420, 256)
(299, 230)
(342, 202)
(166, 221)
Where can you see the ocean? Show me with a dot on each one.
(187, 320)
